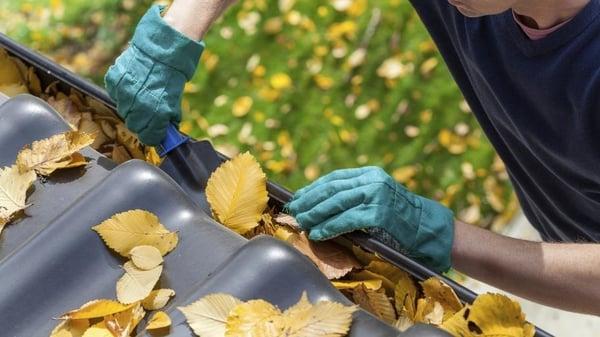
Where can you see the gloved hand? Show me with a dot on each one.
(368, 198)
(147, 80)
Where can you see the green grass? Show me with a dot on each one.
(419, 129)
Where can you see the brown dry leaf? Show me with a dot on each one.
(70, 328)
(158, 321)
(136, 284)
(120, 154)
(373, 284)
(13, 192)
(158, 299)
(66, 108)
(287, 220)
(442, 293)
(323, 319)
(90, 127)
(145, 257)
(405, 296)
(208, 316)
(124, 231)
(50, 154)
(237, 193)
(375, 302)
(95, 309)
(332, 259)
(254, 318)
(490, 315)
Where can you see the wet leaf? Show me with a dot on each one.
(124, 231)
(237, 193)
(57, 152)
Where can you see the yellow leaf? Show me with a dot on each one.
(442, 293)
(333, 260)
(375, 302)
(90, 127)
(12, 82)
(237, 193)
(373, 284)
(98, 330)
(95, 309)
(136, 284)
(365, 275)
(13, 192)
(123, 323)
(124, 231)
(324, 319)
(59, 151)
(70, 328)
(208, 316)
(158, 299)
(283, 233)
(242, 106)
(158, 321)
(145, 257)
(387, 270)
(254, 318)
(405, 295)
(490, 315)
(429, 311)
(130, 141)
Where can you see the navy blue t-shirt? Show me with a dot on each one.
(539, 104)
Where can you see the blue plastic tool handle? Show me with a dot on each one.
(172, 141)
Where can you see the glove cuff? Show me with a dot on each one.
(164, 44)
(435, 236)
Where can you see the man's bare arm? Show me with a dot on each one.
(194, 17)
(565, 276)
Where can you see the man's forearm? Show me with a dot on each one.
(565, 276)
(193, 18)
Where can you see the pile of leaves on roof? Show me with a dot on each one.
(238, 197)
(81, 112)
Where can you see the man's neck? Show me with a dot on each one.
(543, 14)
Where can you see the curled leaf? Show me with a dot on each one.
(375, 302)
(95, 309)
(158, 321)
(13, 192)
(158, 299)
(59, 151)
(136, 284)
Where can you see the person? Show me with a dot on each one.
(530, 71)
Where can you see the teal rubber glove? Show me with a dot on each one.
(369, 199)
(147, 80)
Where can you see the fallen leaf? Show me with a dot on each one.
(98, 330)
(287, 220)
(254, 318)
(403, 323)
(13, 192)
(59, 151)
(130, 141)
(365, 275)
(124, 231)
(442, 293)
(375, 302)
(283, 233)
(158, 299)
(145, 257)
(66, 108)
(237, 193)
(90, 127)
(429, 311)
(405, 296)
(70, 328)
(136, 284)
(158, 321)
(95, 309)
(208, 316)
(373, 284)
(123, 323)
(323, 319)
(332, 259)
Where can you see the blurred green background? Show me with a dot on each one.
(307, 87)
